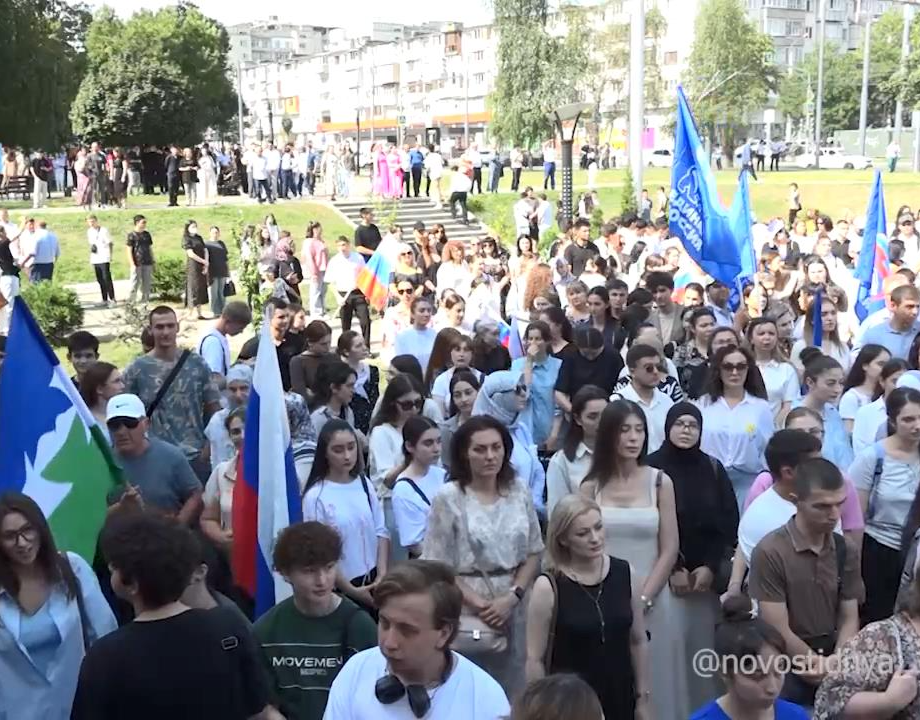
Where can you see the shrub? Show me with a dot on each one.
(169, 279)
(56, 309)
(628, 200)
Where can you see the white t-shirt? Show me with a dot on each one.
(410, 510)
(768, 512)
(214, 349)
(356, 515)
(852, 400)
(470, 693)
(419, 343)
(100, 239)
(434, 164)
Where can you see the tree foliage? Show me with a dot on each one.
(843, 80)
(728, 74)
(536, 72)
(609, 65)
(42, 61)
(156, 77)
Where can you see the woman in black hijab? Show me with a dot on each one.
(707, 519)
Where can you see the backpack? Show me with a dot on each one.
(876, 476)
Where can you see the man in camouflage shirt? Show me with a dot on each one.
(192, 397)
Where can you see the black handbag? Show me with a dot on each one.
(229, 289)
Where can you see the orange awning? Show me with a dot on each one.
(459, 119)
(379, 124)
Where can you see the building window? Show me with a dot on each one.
(479, 78)
(478, 55)
(670, 58)
(326, 116)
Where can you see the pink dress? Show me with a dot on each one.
(381, 175)
(396, 174)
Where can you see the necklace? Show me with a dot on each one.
(596, 600)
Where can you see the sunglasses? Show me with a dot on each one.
(407, 405)
(404, 291)
(735, 367)
(406, 254)
(118, 423)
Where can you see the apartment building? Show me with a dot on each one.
(274, 41)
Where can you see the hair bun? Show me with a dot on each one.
(737, 608)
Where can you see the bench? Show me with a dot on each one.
(20, 185)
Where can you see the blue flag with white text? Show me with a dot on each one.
(873, 265)
(717, 240)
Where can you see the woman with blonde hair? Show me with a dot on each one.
(585, 614)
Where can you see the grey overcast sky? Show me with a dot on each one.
(318, 12)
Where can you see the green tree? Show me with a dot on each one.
(168, 68)
(42, 58)
(609, 66)
(729, 73)
(536, 72)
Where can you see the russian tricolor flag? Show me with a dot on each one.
(374, 279)
(266, 497)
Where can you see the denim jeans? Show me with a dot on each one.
(217, 295)
(317, 307)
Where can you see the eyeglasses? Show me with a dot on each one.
(735, 367)
(521, 389)
(26, 533)
(118, 423)
(650, 368)
(404, 291)
(405, 254)
(407, 405)
(687, 425)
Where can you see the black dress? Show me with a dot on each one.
(196, 281)
(599, 654)
(362, 407)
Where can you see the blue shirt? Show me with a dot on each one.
(782, 709)
(42, 686)
(542, 402)
(897, 342)
(416, 157)
(746, 154)
(47, 248)
(837, 447)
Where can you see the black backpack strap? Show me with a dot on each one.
(367, 492)
(164, 388)
(417, 489)
(840, 551)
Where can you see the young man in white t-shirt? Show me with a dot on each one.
(214, 347)
(773, 508)
(413, 673)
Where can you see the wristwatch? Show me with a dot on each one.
(646, 602)
(518, 592)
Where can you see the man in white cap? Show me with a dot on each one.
(239, 383)
(155, 472)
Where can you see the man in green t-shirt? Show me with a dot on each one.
(307, 638)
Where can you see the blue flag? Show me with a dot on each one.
(873, 266)
(53, 449)
(816, 324)
(717, 240)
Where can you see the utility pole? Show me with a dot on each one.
(864, 94)
(466, 102)
(905, 51)
(636, 92)
(819, 100)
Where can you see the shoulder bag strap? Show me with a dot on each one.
(876, 477)
(367, 492)
(73, 584)
(417, 489)
(840, 551)
(164, 388)
(553, 619)
(473, 545)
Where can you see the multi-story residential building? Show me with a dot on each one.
(274, 41)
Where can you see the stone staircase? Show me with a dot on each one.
(410, 211)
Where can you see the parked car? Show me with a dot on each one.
(661, 158)
(834, 158)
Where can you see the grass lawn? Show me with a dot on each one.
(165, 225)
(832, 191)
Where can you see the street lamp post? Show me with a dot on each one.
(567, 113)
(819, 100)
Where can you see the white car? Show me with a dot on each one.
(834, 158)
(661, 158)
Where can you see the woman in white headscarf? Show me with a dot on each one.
(239, 383)
(503, 395)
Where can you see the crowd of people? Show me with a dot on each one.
(551, 525)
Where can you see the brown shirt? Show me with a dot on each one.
(785, 570)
